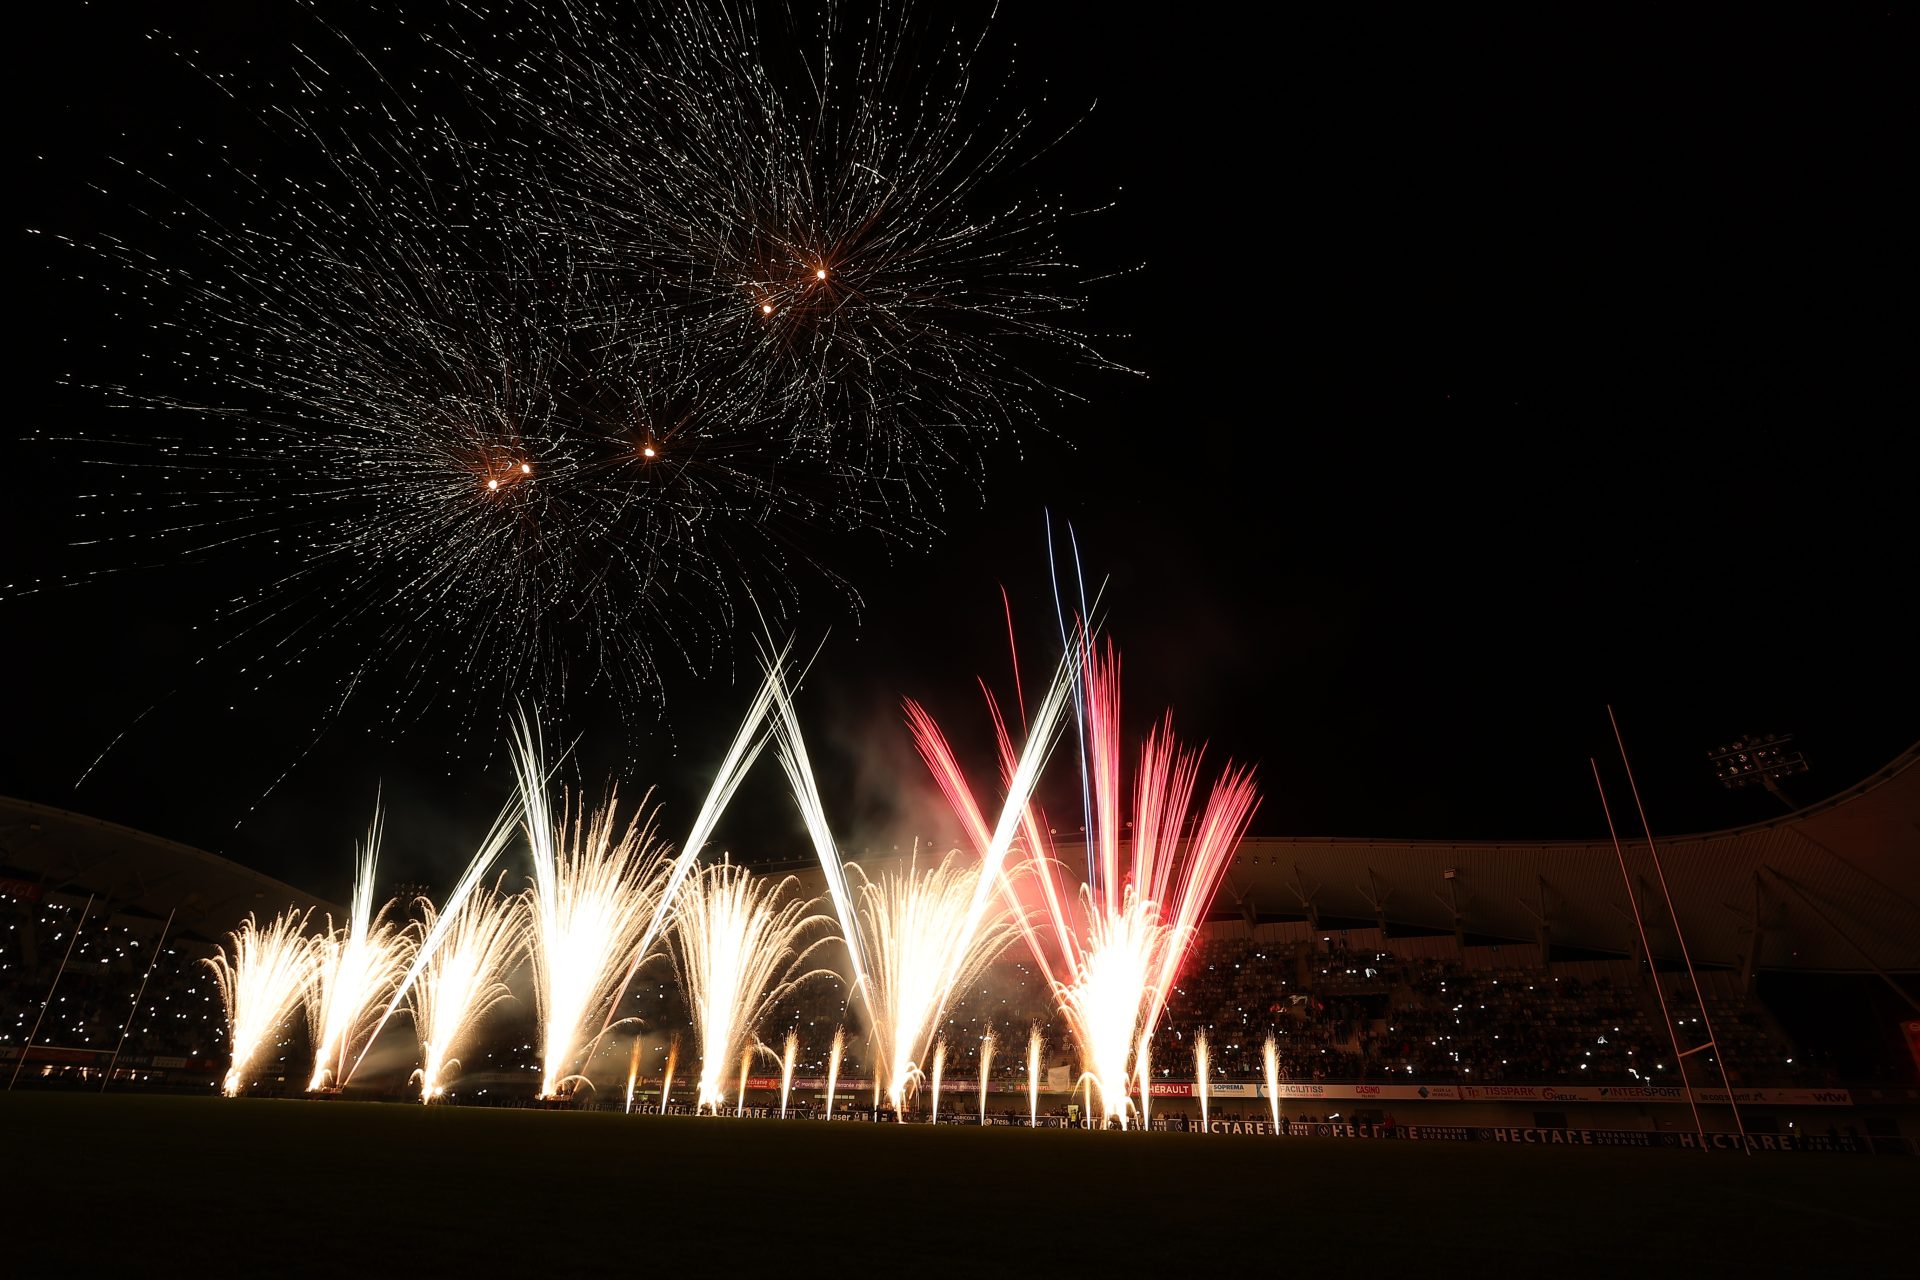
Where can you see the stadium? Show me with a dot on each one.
(1476, 998)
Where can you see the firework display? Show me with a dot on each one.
(918, 936)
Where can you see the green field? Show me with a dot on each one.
(145, 1186)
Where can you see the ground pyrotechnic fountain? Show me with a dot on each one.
(463, 979)
(1143, 1066)
(1111, 950)
(922, 945)
(595, 884)
(1035, 1047)
(834, 1055)
(986, 1069)
(666, 1077)
(737, 941)
(261, 983)
(357, 968)
(1202, 1061)
(939, 1069)
(787, 1058)
(1270, 1062)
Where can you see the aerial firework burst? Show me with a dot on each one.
(533, 386)
(261, 983)
(737, 941)
(837, 212)
(595, 883)
(463, 979)
(357, 968)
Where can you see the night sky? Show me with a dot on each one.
(1495, 372)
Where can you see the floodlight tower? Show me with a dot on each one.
(1762, 758)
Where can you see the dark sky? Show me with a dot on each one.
(1497, 370)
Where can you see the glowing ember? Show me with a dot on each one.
(261, 984)
(464, 978)
(356, 971)
(736, 945)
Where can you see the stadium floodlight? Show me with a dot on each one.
(1762, 758)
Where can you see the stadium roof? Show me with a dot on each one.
(1831, 887)
(1834, 886)
(67, 853)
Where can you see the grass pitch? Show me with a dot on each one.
(151, 1186)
